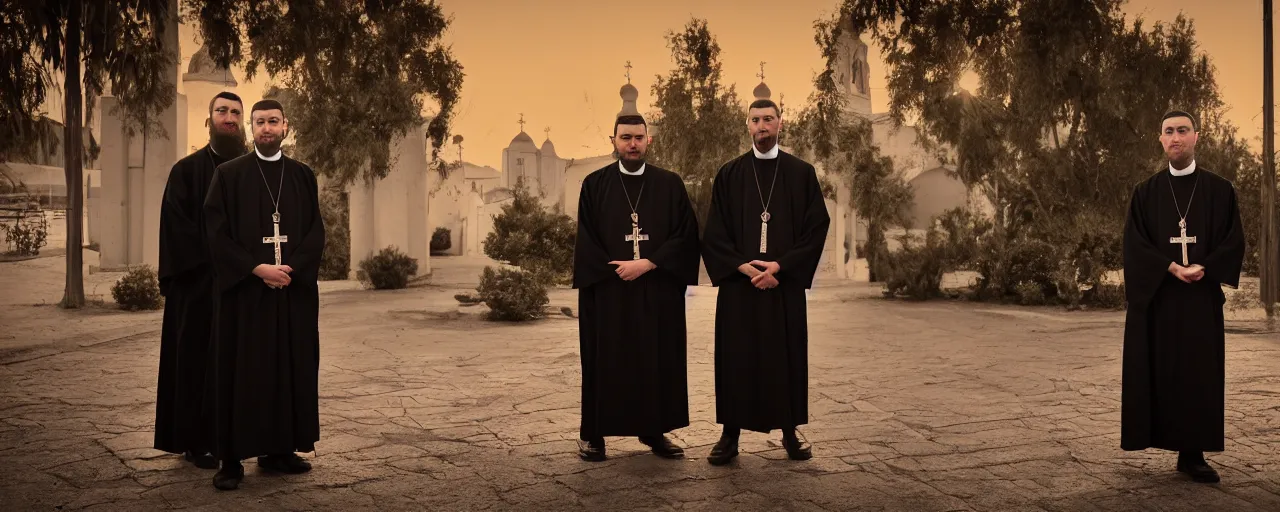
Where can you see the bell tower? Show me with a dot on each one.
(852, 74)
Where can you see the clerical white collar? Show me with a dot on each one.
(769, 155)
(1190, 169)
(629, 173)
(269, 158)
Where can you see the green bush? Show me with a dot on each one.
(441, 240)
(528, 236)
(335, 262)
(1010, 270)
(467, 299)
(390, 269)
(1107, 296)
(512, 295)
(138, 290)
(1095, 254)
(1029, 293)
(26, 237)
(915, 271)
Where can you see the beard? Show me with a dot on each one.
(765, 142)
(631, 164)
(229, 145)
(1181, 159)
(269, 148)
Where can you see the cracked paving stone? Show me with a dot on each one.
(326, 499)
(342, 443)
(336, 476)
(922, 407)
(433, 467)
(384, 453)
(98, 469)
(153, 479)
(630, 498)
(542, 494)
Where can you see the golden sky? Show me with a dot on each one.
(560, 62)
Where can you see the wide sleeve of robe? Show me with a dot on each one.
(305, 258)
(231, 262)
(1144, 265)
(679, 254)
(719, 247)
(590, 259)
(182, 247)
(1222, 265)
(801, 261)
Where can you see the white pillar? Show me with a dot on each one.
(110, 213)
(360, 210)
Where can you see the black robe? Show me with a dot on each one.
(186, 281)
(632, 333)
(762, 336)
(267, 340)
(1174, 340)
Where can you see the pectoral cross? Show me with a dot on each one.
(278, 238)
(1184, 240)
(635, 237)
(764, 232)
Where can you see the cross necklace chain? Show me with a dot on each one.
(275, 216)
(635, 237)
(1183, 239)
(764, 216)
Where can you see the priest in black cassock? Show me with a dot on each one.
(765, 233)
(186, 281)
(635, 254)
(1182, 242)
(262, 215)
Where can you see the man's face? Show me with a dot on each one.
(269, 129)
(631, 142)
(1178, 137)
(226, 117)
(764, 123)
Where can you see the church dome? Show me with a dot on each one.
(629, 95)
(548, 147)
(522, 137)
(629, 92)
(762, 92)
(522, 141)
(203, 68)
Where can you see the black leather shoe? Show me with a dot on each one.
(202, 461)
(1199, 471)
(591, 451)
(663, 447)
(285, 463)
(724, 451)
(797, 448)
(228, 478)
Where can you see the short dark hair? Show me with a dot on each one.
(766, 104)
(267, 104)
(225, 95)
(628, 120)
(1195, 125)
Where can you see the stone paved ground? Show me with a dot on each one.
(915, 406)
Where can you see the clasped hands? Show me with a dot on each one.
(762, 279)
(275, 276)
(630, 270)
(1189, 274)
